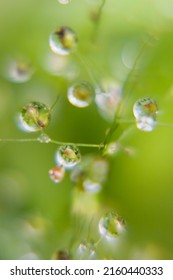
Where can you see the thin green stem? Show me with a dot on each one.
(87, 67)
(77, 144)
(125, 90)
(55, 102)
(20, 140)
(96, 19)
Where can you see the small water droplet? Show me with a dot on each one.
(145, 111)
(81, 94)
(107, 101)
(87, 250)
(68, 156)
(18, 71)
(43, 138)
(64, 2)
(90, 174)
(63, 40)
(57, 174)
(111, 225)
(34, 116)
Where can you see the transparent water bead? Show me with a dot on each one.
(44, 138)
(87, 250)
(111, 225)
(68, 156)
(34, 116)
(107, 100)
(18, 71)
(63, 40)
(145, 111)
(64, 2)
(81, 94)
(57, 174)
(90, 174)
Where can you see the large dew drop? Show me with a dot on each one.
(81, 94)
(145, 111)
(63, 40)
(68, 156)
(111, 225)
(34, 116)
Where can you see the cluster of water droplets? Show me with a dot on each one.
(66, 157)
(145, 111)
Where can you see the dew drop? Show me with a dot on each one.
(43, 138)
(34, 116)
(63, 40)
(90, 174)
(111, 225)
(18, 71)
(87, 250)
(107, 101)
(145, 111)
(81, 94)
(64, 2)
(57, 174)
(68, 156)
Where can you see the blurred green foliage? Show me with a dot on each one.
(37, 217)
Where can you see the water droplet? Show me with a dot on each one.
(113, 148)
(107, 101)
(68, 156)
(18, 71)
(57, 174)
(34, 116)
(145, 111)
(90, 174)
(43, 138)
(111, 225)
(64, 2)
(81, 94)
(87, 250)
(63, 40)
(91, 186)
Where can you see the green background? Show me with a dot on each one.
(38, 217)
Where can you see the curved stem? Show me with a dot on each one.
(87, 67)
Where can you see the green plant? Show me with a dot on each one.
(115, 67)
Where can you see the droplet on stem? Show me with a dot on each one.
(90, 174)
(68, 156)
(111, 225)
(81, 94)
(63, 40)
(87, 250)
(34, 116)
(145, 111)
